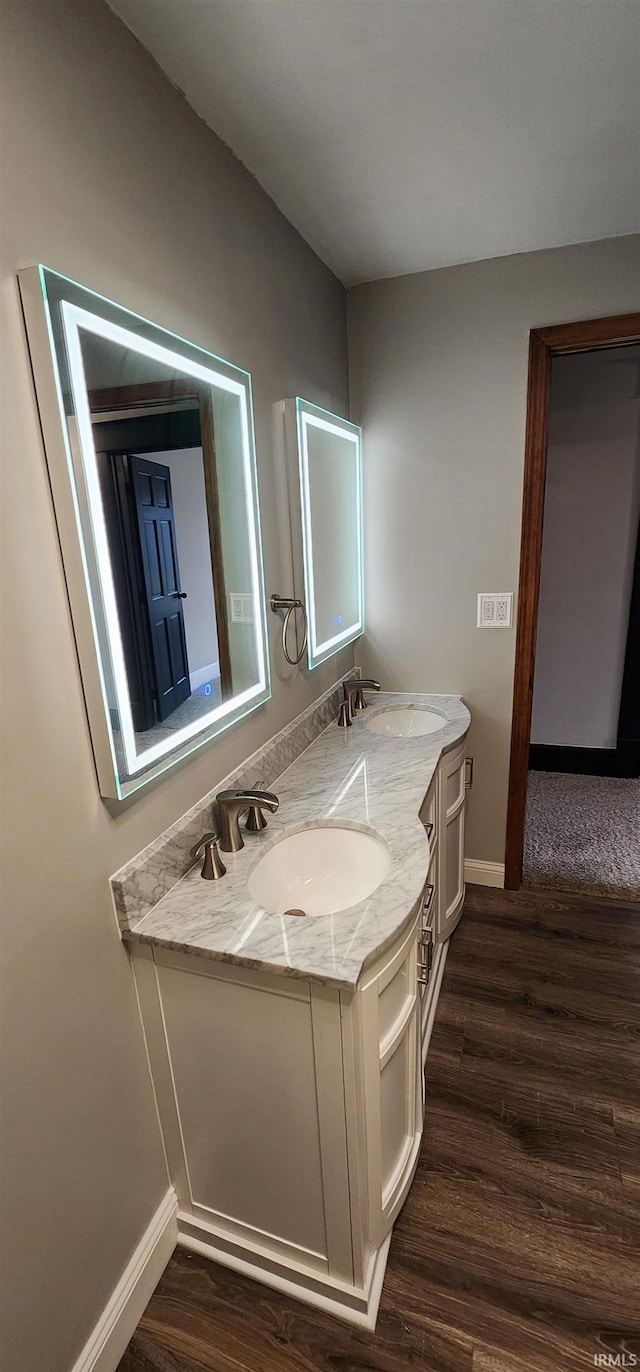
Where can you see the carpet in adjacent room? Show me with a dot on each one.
(582, 833)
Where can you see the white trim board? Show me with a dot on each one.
(110, 1336)
(331, 1294)
(202, 675)
(480, 873)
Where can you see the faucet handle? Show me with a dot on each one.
(256, 821)
(344, 716)
(213, 867)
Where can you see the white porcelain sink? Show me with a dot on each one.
(406, 723)
(319, 871)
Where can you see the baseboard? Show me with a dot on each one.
(621, 761)
(118, 1321)
(356, 1305)
(483, 873)
(375, 1283)
(202, 675)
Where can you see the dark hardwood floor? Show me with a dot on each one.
(518, 1248)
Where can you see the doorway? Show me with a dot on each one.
(548, 346)
(158, 472)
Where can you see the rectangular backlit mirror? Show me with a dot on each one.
(150, 450)
(330, 471)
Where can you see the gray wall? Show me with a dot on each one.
(592, 501)
(109, 178)
(439, 379)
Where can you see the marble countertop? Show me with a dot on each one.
(353, 776)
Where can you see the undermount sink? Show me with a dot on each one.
(319, 871)
(399, 723)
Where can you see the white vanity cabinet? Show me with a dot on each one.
(291, 1115)
(291, 1104)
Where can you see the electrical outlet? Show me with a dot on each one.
(503, 611)
(495, 610)
(241, 607)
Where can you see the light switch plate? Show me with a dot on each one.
(495, 610)
(241, 607)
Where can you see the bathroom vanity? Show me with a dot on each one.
(287, 1050)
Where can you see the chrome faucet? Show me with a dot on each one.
(232, 804)
(354, 693)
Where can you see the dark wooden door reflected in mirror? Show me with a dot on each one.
(144, 556)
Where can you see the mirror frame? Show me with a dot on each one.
(82, 530)
(310, 416)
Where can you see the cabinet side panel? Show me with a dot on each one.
(244, 1079)
(144, 971)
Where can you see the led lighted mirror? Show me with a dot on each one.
(150, 450)
(330, 466)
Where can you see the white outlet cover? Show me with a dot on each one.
(495, 609)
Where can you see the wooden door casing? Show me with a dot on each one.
(544, 344)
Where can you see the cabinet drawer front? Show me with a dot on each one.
(392, 1001)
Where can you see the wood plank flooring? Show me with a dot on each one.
(518, 1249)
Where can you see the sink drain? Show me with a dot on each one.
(295, 912)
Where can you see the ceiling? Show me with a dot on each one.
(402, 135)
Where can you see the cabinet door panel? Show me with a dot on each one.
(451, 875)
(397, 1109)
(388, 1083)
(454, 863)
(455, 786)
(451, 846)
(244, 1078)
